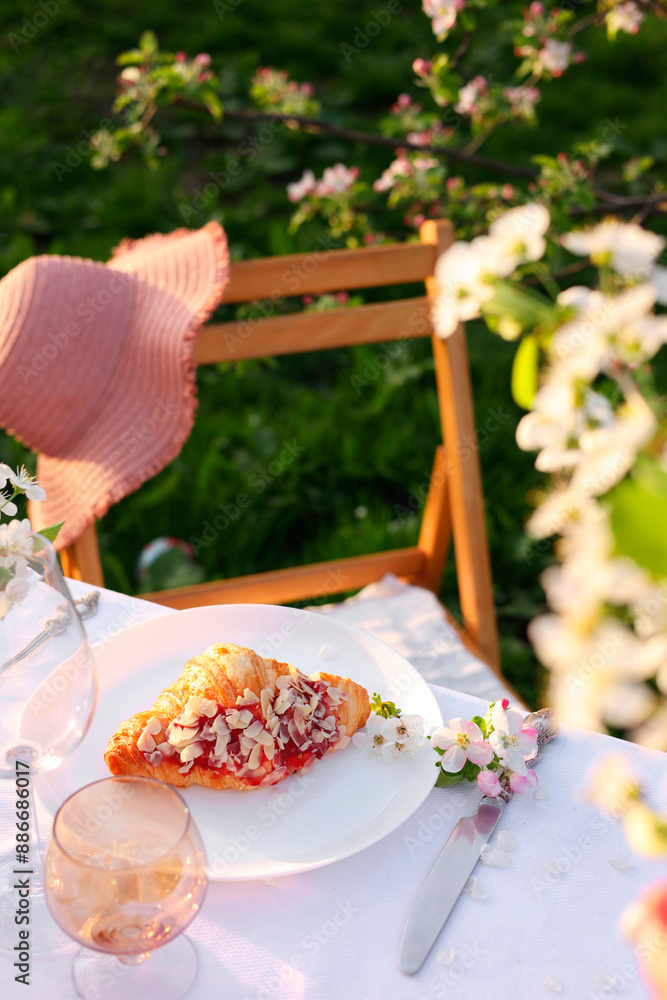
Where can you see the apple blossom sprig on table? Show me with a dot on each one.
(389, 734)
(491, 751)
(16, 545)
(20, 483)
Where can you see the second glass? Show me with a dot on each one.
(125, 873)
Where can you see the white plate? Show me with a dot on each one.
(347, 802)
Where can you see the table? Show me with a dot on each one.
(548, 925)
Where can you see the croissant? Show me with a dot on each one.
(234, 719)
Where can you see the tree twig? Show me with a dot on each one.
(316, 125)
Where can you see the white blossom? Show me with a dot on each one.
(13, 593)
(555, 56)
(442, 13)
(520, 233)
(625, 17)
(624, 246)
(464, 274)
(302, 188)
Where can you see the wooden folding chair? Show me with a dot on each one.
(454, 505)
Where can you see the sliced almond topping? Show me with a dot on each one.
(254, 729)
(300, 722)
(181, 736)
(219, 725)
(207, 708)
(264, 738)
(284, 681)
(193, 705)
(186, 767)
(166, 749)
(156, 758)
(256, 756)
(247, 698)
(221, 745)
(192, 751)
(336, 694)
(154, 726)
(284, 700)
(146, 743)
(266, 698)
(274, 776)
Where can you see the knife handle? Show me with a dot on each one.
(547, 727)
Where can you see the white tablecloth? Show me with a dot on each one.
(548, 925)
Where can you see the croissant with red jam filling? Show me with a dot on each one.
(234, 719)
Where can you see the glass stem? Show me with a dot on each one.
(134, 959)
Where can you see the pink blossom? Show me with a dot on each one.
(522, 99)
(555, 56)
(489, 784)
(337, 180)
(203, 59)
(461, 741)
(301, 189)
(422, 67)
(180, 57)
(523, 782)
(468, 95)
(442, 13)
(509, 740)
(400, 167)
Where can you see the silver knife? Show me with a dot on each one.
(444, 883)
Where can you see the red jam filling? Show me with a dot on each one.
(293, 727)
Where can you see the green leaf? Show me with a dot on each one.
(479, 721)
(148, 45)
(386, 709)
(51, 532)
(638, 510)
(213, 104)
(5, 576)
(522, 304)
(131, 58)
(524, 372)
(445, 780)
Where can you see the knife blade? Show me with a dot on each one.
(455, 863)
(445, 882)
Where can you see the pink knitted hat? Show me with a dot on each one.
(97, 370)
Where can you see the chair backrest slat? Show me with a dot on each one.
(454, 498)
(256, 337)
(326, 270)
